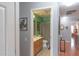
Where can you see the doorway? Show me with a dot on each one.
(41, 32)
(74, 33)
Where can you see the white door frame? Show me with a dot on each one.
(17, 30)
(51, 45)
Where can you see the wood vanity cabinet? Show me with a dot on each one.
(38, 45)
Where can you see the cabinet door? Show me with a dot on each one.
(2, 31)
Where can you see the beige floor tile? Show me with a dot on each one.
(44, 52)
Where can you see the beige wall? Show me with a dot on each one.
(45, 31)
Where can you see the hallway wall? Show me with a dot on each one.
(25, 36)
(66, 33)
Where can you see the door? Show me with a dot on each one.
(2, 31)
(7, 29)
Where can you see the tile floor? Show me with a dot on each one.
(44, 52)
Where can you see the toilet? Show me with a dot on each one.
(45, 42)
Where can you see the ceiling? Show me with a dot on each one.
(70, 11)
(42, 12)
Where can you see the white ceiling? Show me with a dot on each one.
(64, 9)
(42, 12)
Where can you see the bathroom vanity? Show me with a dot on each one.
(38, 45)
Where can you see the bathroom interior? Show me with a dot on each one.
(41, 32)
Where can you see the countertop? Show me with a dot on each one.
(36, 38)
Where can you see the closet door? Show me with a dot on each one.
(7, 29)
(2, 31)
